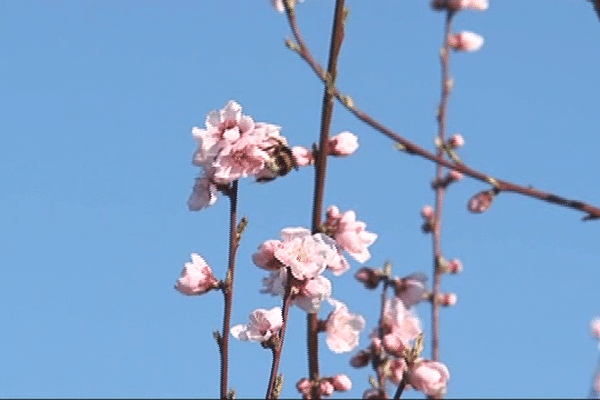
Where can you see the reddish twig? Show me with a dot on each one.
(228, 286)
(412, 148)
(279, 345)
(337, 37)
(440, 191)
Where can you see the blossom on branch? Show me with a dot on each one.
(278, 4)
(429, 377)
(411, 289)
(233, 146)
(456, 5)
(342, 144)
(465, 41)
(349, 233)
(343, 328)
(400, 327)
(196, 278)
(263, 324)
(310, 293)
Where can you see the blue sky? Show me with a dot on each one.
(97, 102)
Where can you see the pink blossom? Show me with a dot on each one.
(429, 377)
(263, 324)
(265, 257)
(465, 41)
(454, 176)
(204, 194)
(448, 299)
(349, 233)
(397, 369)
(304, 386)
(456, 5)
(454, 266)
(427, 212)
(343, 144)
(305, 254)
(411, 289)
(302, 155)
(338, 264)
(400, 325)
(278, 5)
(456, 141)
(196, 277)
(222, 127)
(240, 159)
(595, 328)
(325, 387)
(312, 293)
(343, 328)
(341, 383)
(480, 5)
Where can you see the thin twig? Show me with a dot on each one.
(337, 37)
(440, 191)
(300, 47)
(279, 347)
(228, 287)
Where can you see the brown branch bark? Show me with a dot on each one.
(228, 288)
(337, 37)
(300, 47)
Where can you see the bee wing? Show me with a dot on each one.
(417, 276)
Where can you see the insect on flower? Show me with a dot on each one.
(280, 163)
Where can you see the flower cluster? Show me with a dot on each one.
(306, 256)
(396, 344)
(233, 146)
(325, 386)
(462, 41)
(262, 326)
(350, 235)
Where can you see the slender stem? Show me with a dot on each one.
(592, 212)
(279, 347)
(378, 370)
(440, 190)
(232, 193)
(337, 37)
(401, 387)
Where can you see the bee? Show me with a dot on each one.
(280, 163)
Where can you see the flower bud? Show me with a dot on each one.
(456, 141)
(302, 155)
(369, 277)
(454, 266)
(456, 5)
(341, 383)
(448, 299)
(465, 41)
(343, 144)
(304, 386)
(427, 212)
(481, 202)
(360, 359)
(454, 176)
(326, 387)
